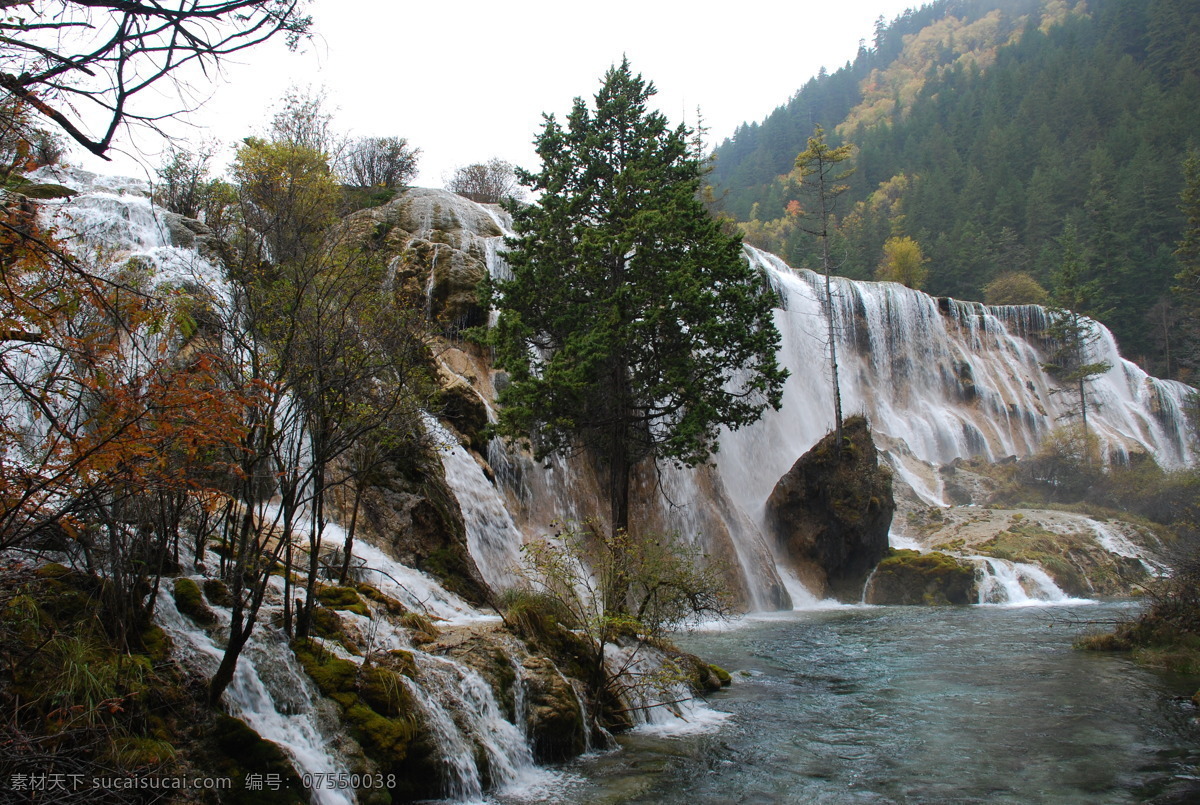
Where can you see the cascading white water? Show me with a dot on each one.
(492, 537)
(1116, 543)
(266, 675)
(1016, 584)
(658, 704)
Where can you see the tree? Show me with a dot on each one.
(1187, 281)
(820, 178)
(903, 262)
(379, 162)
(1015, 288)
(488, 182)
(1070, 332)
(632, 327)
(610, 589)
(82, 61)
(288, 198)
(184, 185)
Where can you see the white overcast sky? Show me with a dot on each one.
(469, 80)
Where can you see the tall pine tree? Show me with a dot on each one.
(631, 327)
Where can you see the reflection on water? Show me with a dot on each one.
(912, 705)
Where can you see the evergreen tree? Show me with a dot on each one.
(631, 327)
(1070, 332)
(821, 177)
(1187, 287)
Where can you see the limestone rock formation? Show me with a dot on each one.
(830, 517)
(913, 578)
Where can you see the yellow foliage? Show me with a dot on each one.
(888, 94)
(903, 262)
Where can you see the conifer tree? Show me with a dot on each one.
(632, 327)
(1187, 287)
(821, 178)
(1070, 332)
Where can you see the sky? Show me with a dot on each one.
(469, 81)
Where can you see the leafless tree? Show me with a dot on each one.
(82, 61)
(486, 182)
(379, 162)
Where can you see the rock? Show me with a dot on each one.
(435, 244)
(190, 603)
(464, 410)
(410, 512)
(913, 578)
(554, 719)
(830, 517)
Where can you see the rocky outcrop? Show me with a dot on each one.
(435, 245)
(410, 512)
(912, 578)
(830, 515)
(554, 720)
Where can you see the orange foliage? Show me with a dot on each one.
(94, 404)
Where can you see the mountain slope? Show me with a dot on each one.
(992, 132)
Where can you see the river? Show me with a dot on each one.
(913, 705)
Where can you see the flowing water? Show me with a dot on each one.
(915, 705)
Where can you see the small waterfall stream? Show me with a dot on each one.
(270, 692)
(1017, 584)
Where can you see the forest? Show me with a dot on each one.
(999, 136)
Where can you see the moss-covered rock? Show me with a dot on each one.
(236, 751)
(191, 603)
(343, 598)
(381, 715)
(554, 718)
(722, 675)
(217, 593)
(830, 513)
(911, 578)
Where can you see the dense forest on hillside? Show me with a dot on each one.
(1002, 136)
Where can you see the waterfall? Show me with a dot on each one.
(658, 703)
(492, 537)
(267, 676)
(1116, 543)
(938, 379)
(1016, 584)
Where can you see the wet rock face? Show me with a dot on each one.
(830, 516)
(914, 579)
(553, 718)
(435, 244)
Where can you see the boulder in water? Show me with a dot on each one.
(830, 515)
(913, 578)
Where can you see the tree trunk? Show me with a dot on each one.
(314, 547)
(349, 546)
(833, 363)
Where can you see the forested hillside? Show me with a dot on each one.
(1002, 136)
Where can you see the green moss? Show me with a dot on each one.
(327, 624)
(53, 570)
(217, 593)
(372, 593)
(155, 643)
(722, 674)
(332, 675)
(909, 577)
(191, 603)
(343, 598)
(236, 751)
(400, 661)
(385, 692)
